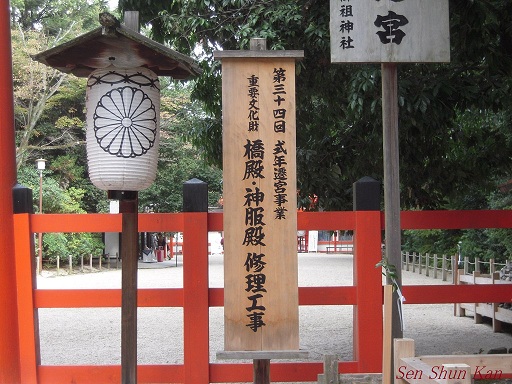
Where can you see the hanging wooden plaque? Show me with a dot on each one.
(376, 31)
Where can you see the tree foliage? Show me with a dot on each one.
(54, 16)
(338, 106)
(48, 103)
(50, 123)
(179, 161)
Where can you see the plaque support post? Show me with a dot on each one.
(392, 184)
(128, 207)
(261, 360)
(261, 371)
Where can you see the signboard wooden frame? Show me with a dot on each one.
(260, 208)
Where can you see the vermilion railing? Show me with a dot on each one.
(196, 297)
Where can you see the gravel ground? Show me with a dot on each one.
(92, 336)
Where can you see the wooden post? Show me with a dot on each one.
(391, 179)
(455, 266)
(496, 324)
(9, 353)
(330, 375)
(461, 374)
(401, 348)
(261, 369)
(367, 278)
(387, 342)
(26, 272)
(443, 268)
(427, 264)
(128, 207)
(477, 317)
(195, 282)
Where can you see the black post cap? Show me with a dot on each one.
(23, 201)
(366, 194)
(195, 196)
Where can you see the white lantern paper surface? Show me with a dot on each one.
(123, 128)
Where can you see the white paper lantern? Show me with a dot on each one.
(123, 128)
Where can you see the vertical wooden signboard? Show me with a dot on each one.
(260, 209)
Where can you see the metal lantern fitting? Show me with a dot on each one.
(41, 164)
(122, 98)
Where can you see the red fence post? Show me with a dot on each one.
(367, 278)
(195, 282)
(27, 313)
(9, 351)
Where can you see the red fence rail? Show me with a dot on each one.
(196, 297)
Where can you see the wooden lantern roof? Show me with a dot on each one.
(120, 46)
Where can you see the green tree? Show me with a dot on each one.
(57, 199)
(54, 16)
(48, 104)
(179, 161)
(338, 106)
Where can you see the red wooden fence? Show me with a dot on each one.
(196, 297)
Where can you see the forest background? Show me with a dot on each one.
(455, 119)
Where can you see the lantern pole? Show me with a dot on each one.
(128, 207)
(41, 165)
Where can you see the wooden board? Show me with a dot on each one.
(379, 31)
(260, 219)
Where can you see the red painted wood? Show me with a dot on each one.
(368, 282)
(282, 372)
(327, 295)
(215, 222)
(28, 323)
(173, 297)
(331, 221)
(106, 374)
(161, 222)
(196, 297)
(195, 301)
(97, 222)
(439, 294)
(77, 298)
(89, 374)
(216, 297)
(104, 298)
(9, 351)
(91, 222)
(455, 219)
